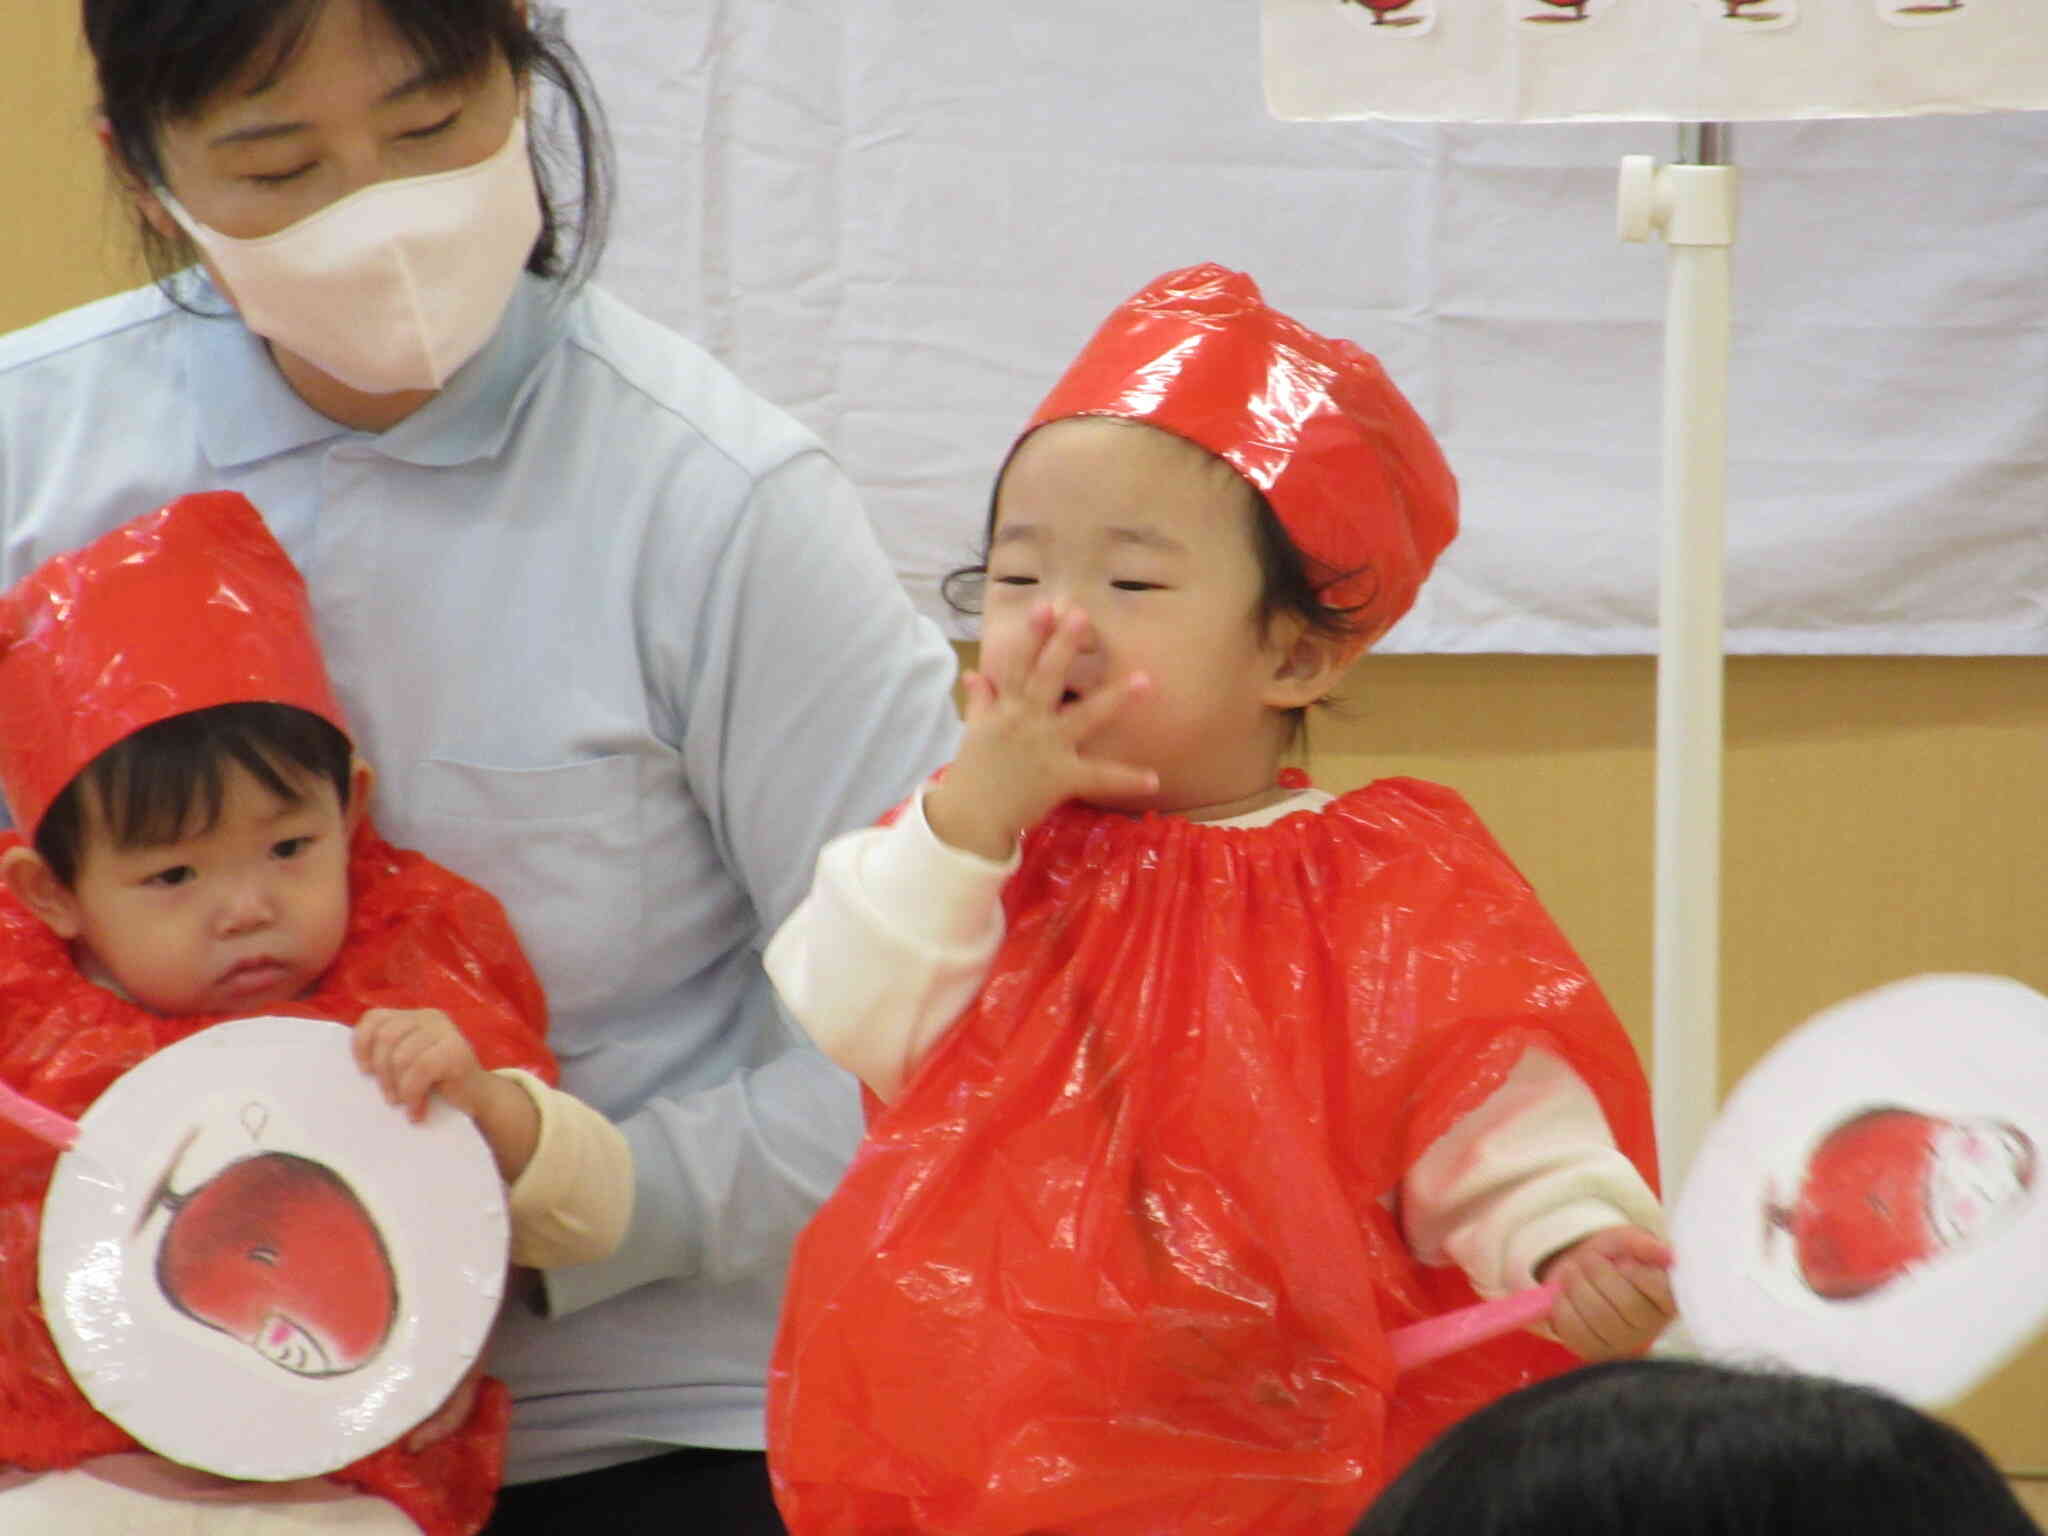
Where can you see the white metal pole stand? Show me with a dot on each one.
(1691, 204)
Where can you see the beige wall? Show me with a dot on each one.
(61, 241)
(1884, 816)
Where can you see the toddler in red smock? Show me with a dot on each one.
(1194, 1081)
(193, 847)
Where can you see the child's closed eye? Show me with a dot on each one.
(1139, 586)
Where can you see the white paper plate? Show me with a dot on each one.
(1951, 1048)
(249, 1187)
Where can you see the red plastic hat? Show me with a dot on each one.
(184, 608)
(1313, 422)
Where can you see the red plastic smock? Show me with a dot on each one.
(1123, 1257)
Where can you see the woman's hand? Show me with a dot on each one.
(1023, 751)
(1616, 1293)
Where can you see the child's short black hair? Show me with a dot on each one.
(1689, 1448)
(1285, 587)
(148, 785)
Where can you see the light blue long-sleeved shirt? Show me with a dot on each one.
(622, 648)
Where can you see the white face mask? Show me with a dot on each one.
(396, 285)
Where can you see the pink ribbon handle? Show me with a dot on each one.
(43, 1124)
(1433, 1338)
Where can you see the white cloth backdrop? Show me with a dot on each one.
(899, 219)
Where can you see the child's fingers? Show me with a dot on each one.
(401, 1049)
(1571, 1329)
(439, 1063)
(422, 1076)
(399, 1070)
(412, 1053)
(369, 1036)
(1104, 705)
(1006, 669)
(1653, 1283)
(1586, 1323)
(979, 693)
(1608, 1307)
(1607, 1310)
(1640, 1297)
(377, 1041)
(1115, 781)
(1633, 1244)
(1046, 679)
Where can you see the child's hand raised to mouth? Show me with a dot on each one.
(1024, 749)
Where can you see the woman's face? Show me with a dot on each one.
(352, 105)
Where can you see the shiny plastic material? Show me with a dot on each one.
(186, 607)
(1312, 421)
(1124, 1256)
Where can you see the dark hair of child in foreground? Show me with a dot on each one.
(1684, 1448)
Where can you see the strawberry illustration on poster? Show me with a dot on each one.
(257, 1267)
(1750, 15)
(1395, 18)
(1639, 60)
(1932, 13)
(1868, 1202)
(1559, 16)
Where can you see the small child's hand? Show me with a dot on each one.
(417, 1052)
(1022, 753)
(1616, 1295)
(412, 1052)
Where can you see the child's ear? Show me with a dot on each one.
(1307, 665)
(362, 778)
(36, 886)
